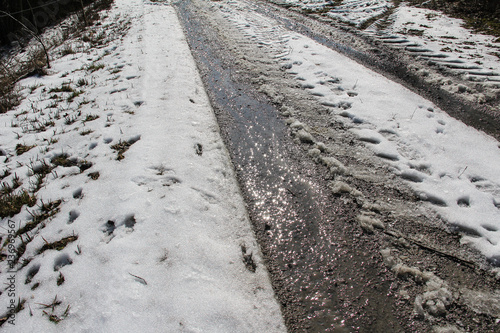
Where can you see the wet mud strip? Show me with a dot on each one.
(325, 274)
(330, 268)
(394, 65)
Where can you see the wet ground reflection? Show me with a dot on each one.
(303, 234)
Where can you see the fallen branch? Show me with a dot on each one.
(431, 249)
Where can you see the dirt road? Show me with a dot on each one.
(349, 246)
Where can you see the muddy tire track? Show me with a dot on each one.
(331, 269)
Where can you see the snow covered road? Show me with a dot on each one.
(453, 166)
(368, 211)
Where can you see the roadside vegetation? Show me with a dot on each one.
(35, 58)
(480, 15)
(20, 183)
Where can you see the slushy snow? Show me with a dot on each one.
(452, 167)
(424, 33)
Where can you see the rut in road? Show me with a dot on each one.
(349, 244)
(324, 278)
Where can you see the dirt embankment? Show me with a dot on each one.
(481, 15)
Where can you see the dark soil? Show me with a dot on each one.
(480, 15)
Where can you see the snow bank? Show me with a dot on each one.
(154, 225)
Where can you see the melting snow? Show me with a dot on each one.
(451, 166)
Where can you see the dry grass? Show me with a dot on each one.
(12, 70)
(46, 211)
(12, 203)
(121, 147)
(21, 149)
(58, 245)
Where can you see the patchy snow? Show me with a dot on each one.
(134, 182)
(355, 12)
(426, 34)
(359, 12)
(137, 188)
(432, 35)
(451, 166)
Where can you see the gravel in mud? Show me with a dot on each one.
(348, 245)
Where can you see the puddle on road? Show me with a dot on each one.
(318, 274)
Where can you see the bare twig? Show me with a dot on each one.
(140, 279)
(84, 15)
(430, 248)
(413, 113)
(38, 38)
(460, 175)
(52, 305)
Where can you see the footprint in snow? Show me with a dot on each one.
(389, 133)
(464, 201)
(129, 221)
(78, 193)
(351, 116)
(160, 169)
(496, 203)
(412, 176)
(108, 228)
(344, 105)
(422, 167)
(31, 273)
(61, 261)
(489, 227)
(111, 228)
(73, 215)
(433, 199)
(114, 91)
(370, 139)
(388, 156)
(160, 178)
(169, 181)
(210, 197)
(485, 185)
(198, 149)
(465, 230)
